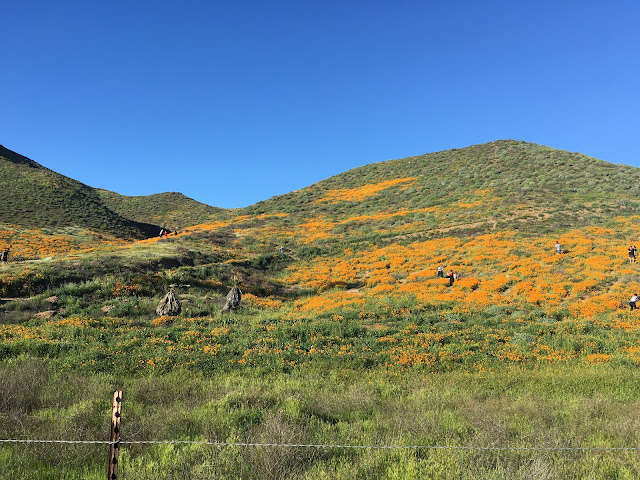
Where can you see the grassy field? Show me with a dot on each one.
(587, 406)
(400, 374)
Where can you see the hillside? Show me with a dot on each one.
(483, 185)
(473, 190)
(44, 201)
(503, 185)
(36, 197)
(171, 210)
(491, 211)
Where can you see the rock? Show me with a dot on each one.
(53, 299)
(106, 308)
(46, 314)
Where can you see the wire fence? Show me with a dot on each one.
(328, 446)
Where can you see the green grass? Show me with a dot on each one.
(170, 210)
(57, 383)
(35, 196)
(579, 406)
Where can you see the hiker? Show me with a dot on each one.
(632, 253)
(451, 277)
(281, 249)
(632, 301)
(440, 272)
(5, 255)
(558, 247)
(456, 276)
(2, 255)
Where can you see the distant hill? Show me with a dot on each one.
(171, 210)
(487, 187)
(35, 196)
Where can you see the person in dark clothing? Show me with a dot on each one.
(451, 277)
(632, 253)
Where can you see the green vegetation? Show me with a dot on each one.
(544, 407)
(34, 196)
(171, 210)
(572, 190)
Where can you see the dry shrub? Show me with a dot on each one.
(280, 462)
(21, 384)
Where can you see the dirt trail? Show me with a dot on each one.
(18, 299)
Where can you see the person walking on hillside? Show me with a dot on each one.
(440, 272)
(632, 253)
(451, 277)
(558, 247)
(632, 301)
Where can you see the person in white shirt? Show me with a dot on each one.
(558, 247)
(633, 300)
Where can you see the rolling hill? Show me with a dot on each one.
(550, 189)
(475, 189)
(34, 196)
(171, 209)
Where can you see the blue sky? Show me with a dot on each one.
(234, 102)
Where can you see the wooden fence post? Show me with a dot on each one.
(116, 413)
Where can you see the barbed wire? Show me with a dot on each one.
(312, 445)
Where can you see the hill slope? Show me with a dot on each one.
(366, 243)
(482, 182)
(171, 210)
(35, 196)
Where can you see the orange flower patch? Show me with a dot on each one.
(360, 193)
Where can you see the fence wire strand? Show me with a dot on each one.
(318, 446)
